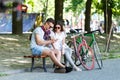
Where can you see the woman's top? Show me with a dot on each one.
(59, 37)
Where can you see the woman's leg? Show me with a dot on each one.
(51, 54)
(68, 53)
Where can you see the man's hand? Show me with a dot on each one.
(53, 40)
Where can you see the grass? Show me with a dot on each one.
(114, 49)
(14, 47)
(3, 74)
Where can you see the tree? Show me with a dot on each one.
(88, 15)
(16, 20)
(58, 10)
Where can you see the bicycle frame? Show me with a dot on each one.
(82, 42)
(92, 36)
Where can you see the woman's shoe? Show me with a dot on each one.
(68, 69)
(77, 69)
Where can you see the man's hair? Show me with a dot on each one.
(50, 20)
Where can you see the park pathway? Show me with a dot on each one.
(110, 71)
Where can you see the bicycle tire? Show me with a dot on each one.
(86, 56)
(98, 55)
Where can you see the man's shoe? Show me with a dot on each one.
(60, 70)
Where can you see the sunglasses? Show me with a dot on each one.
(57, 27)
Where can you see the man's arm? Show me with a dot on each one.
(41, 42)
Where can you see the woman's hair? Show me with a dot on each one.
(58, 23)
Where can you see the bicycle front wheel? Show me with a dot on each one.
(86, 56)
(98, 55)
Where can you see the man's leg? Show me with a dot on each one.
(51, 54)
(57, 53)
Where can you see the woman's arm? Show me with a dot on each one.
(63, 43)
(52, 38)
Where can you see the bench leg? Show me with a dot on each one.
(32, 65)
(44, 65)
(65, 59)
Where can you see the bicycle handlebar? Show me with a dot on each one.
(77, 33)
(75, 30)
(93, 31)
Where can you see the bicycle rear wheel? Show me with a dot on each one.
(98, 55)
(86, 56)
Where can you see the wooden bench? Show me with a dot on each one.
(33, 61)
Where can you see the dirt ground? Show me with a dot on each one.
(14, 47)
(12, 50)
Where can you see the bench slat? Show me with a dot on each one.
(31, 56)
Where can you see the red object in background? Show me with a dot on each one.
(22, 7)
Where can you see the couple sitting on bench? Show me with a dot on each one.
(40, 40)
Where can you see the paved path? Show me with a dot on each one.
(111, 71)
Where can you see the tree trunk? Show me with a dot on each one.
(16, 20)
(108, 22)
(110, 30)
(105, 6)
(88, 15)
(58, 10)
(109, 19)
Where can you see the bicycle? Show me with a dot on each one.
(82, 52)
(93, 44)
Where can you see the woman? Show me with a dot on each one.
(59, 35)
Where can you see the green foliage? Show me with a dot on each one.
(97, 6)
(40, 6)
(76, 6)
(113, 4)
(9, 4)
(116, 9)
(31, 3)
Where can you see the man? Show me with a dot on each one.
(39, 42)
